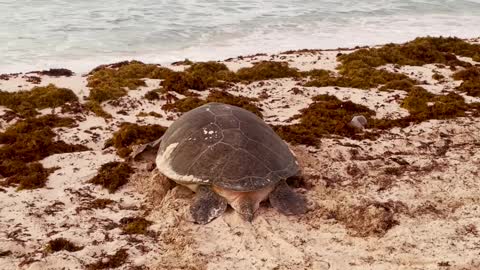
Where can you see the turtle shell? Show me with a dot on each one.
(226, 146)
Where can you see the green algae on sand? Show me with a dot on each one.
(266, 70)
(189, 103)
(471, 81)
(131, 134)
(359, 69)
(110, 82)
(26, 103)
(60, 244)
(110, 261)
(423, 106)
(112, 175)
(199, 76)
(152, 95)
(358, 75)
(135, 225)
(28, 141)
(27, 176)
(418, 52)
(184, 105)
(328, 116)
(404, 84)
(97, 109)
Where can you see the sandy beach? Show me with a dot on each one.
(403, 197)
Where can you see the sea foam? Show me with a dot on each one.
(39, 34)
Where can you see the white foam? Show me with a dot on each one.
(84, 34)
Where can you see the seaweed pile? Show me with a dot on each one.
(26, 142)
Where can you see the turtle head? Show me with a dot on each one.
(246, 208)
(145, 152)
(244, 203)
(248, 203)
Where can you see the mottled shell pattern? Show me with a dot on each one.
(226, 146)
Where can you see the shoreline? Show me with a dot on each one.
(88, 67)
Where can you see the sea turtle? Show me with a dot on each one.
(227, 155)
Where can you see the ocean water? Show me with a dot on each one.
(80, 34)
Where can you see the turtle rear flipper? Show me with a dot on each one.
(146, 151)
(286, 201)
(207, 205)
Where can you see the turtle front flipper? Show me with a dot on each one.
(286, 201)
(207, 205)
(146, 151)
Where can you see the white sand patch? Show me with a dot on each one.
(281, 104)
(424, 74)
(385, 104)
(3, 122)
(92, 132)
(127, 108)
(468, 60)
(53, 212)
(303, 61)
(234, 64)
(76, 83)
(177, 68)
(313, 60)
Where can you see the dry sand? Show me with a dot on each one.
(409, 200)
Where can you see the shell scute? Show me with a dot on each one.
(226, 146)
